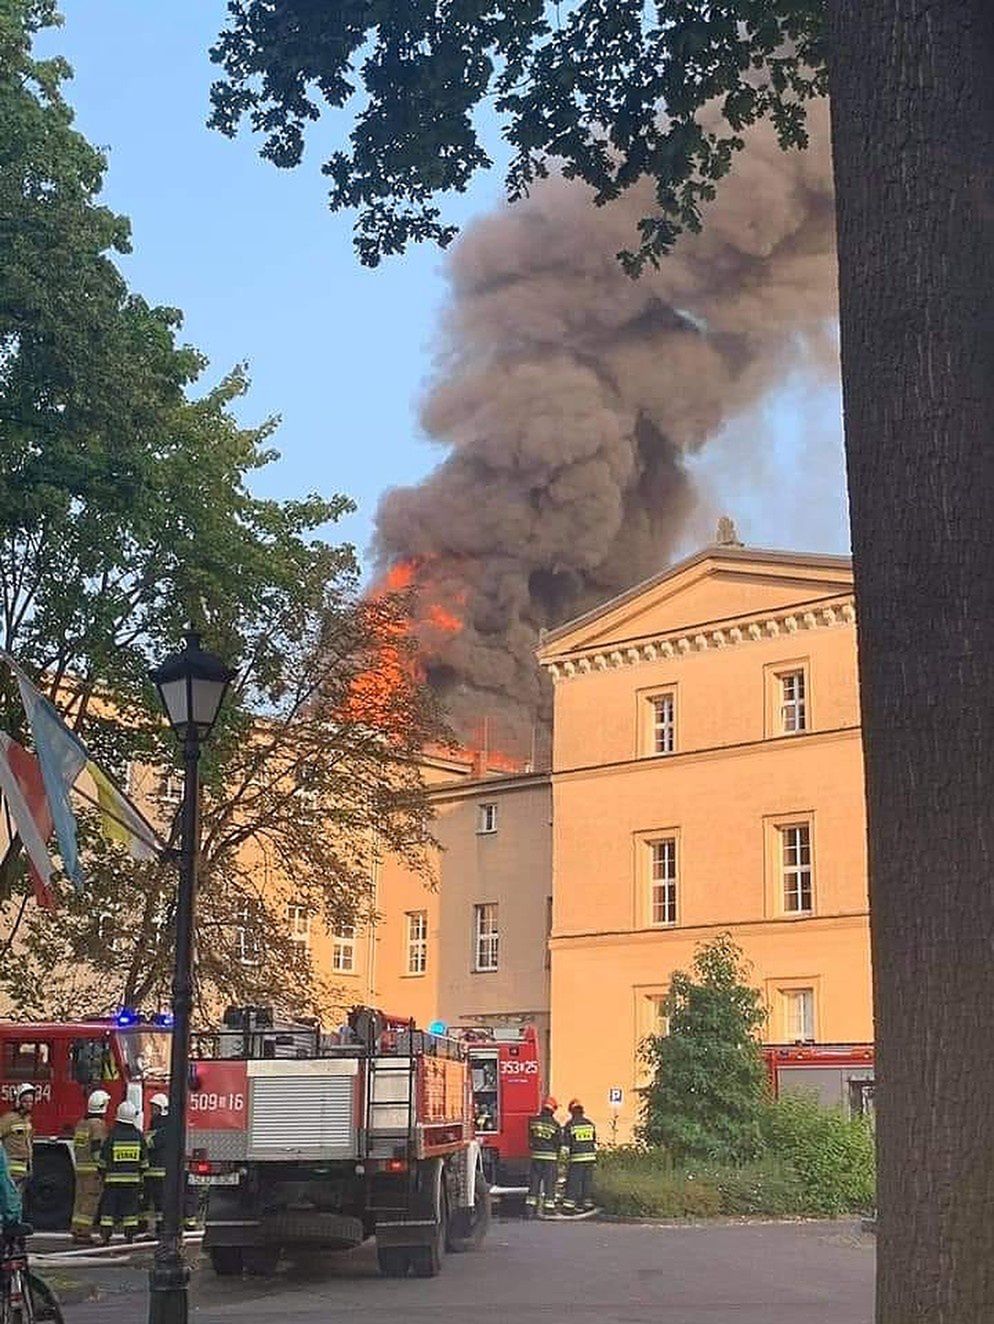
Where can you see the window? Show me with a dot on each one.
(795, 855)
(248, 950)
(657, 1019)
(487, 820)
(663, 883)
(171, 788)
(299, 921)
(27, 1060)
(417, 942)
(487, 936)
(793, 702)
(343, 950)
(663, 724)
(799, 1014)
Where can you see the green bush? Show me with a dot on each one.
(832, 1155)
(816, 1162)
(645, 1183)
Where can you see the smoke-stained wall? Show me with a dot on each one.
(569, 396)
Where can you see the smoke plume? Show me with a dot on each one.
(569, 397)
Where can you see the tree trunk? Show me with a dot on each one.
(912, 87)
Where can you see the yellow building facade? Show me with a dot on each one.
(707, 777)
(469, 945)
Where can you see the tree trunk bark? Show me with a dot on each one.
(912, 89)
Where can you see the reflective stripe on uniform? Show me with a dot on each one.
(122, 1179)
(583, 1158)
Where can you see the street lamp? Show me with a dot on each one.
(192, 685)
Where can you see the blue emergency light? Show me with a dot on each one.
(126, 1017)
(437, 1027)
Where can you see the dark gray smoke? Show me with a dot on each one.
(569, 396)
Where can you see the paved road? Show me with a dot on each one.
(813, 1273)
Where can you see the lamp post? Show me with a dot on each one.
(192, 685)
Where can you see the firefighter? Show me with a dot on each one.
(123, 1160)
(156, 1174)
(580, 1152)
(16, 1135)
(87, 1142)
(544, 1139)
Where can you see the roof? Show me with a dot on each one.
(716, 552)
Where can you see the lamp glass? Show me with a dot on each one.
(206, 700)
(174, 700)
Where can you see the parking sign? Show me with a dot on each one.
(616, 1096)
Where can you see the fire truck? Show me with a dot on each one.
(507, 1091)
(840, 1075)
(127, 1056)
(307, 1140)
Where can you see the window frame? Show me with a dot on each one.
(40, 1069)
(792, 996)
(793, 711)
(489, 938)
(802, 873)
(245, 913)
(416, 944)
(486, 818)
(664, 890)
(295, 911)
(646, 725)
(343, 942)
(665, 728)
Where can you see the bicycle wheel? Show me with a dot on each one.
(45, 1308)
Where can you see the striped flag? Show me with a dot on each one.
(66, 766)
(23, 789)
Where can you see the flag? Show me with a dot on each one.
(63, 757)
(23, 789)
(120, 820)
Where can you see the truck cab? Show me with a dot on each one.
(65, 1061)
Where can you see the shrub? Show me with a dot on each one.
(645, 1183)
(708, 1079)
(832, 1155)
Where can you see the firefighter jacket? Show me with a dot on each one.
(123, 1156)
(580, 1140)
(87, 1142)
(16, 1134)
(544, 1137)
(156, 1141)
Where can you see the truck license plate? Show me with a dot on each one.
(214, 1179)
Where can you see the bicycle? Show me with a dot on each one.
(24, 1297)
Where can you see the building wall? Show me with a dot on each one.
(732, 782)
(510, 867)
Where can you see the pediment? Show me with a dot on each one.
(717, 585)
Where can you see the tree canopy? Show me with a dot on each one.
(126, 512)
(583, 86)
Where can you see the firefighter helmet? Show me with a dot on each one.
(126, 1112)
(549, 1104)
(160, 1101)
(24, 1090)
(575, 1106)
(98, 1103)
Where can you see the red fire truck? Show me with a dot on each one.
(507, 1091)
(313, 1140)
(841, 1075)
(126, 1056)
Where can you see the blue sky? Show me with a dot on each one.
(265, 273)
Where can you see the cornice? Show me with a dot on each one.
(735, 632)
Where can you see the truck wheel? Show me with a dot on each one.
(393, 1261)
(52, 1189)
(468, 1227)
(261, 1261)
(226, 1261)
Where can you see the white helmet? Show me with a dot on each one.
(126, 1112)
(98, 1103)
(160, 1101)
(24, 1090)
